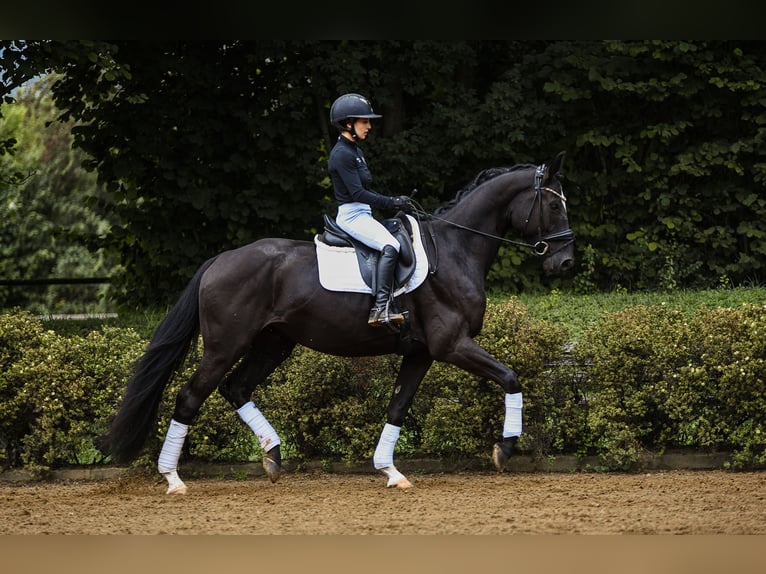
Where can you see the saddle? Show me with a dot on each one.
(367, 257)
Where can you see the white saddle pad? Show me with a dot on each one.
(339, 268)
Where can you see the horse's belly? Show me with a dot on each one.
(351, 341)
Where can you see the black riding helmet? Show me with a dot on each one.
(350, 106)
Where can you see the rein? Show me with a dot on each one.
(540, 248)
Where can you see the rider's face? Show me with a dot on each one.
(362, 127)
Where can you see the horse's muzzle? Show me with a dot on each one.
(558, 264)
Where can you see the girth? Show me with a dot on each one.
(367, 257)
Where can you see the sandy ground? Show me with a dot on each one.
(672, 502)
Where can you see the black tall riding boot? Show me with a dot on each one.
(381, 313)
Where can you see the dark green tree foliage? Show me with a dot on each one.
(187, 140)
(207, 146)
(44, 215)
(670, 158)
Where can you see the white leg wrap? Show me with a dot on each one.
(171, 448)
(512, 424)
(254, 418)
(384, 452)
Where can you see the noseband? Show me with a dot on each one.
(542, 246)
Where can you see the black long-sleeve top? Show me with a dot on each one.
(351, 178)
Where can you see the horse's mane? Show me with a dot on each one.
(482, 177)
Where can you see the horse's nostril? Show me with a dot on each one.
(567, 264)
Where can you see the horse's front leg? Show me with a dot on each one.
(411, 372)
(471, 357)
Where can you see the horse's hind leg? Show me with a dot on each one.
(211, 370)
(268, 351)
(411, 373)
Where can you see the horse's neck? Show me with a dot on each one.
(486, 213)
(487, 208)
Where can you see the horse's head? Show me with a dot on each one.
(527, 198)
(541, 214)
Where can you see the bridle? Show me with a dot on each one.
(541, 247)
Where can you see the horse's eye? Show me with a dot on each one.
(555, 206)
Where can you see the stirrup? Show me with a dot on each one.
(381, 316)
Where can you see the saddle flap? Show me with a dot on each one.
(401, 229)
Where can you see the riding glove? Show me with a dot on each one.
(402, 202)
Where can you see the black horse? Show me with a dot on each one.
(253, 304)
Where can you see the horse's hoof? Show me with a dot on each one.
(395, 478)
(499, 458)
(272, 467)
(175, 484)
(502, 451)
(177, 489)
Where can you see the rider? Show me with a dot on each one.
(351, 180)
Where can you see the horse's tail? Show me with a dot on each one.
(165, 353)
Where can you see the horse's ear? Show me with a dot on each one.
(557, 164)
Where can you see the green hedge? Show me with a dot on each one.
(643, 378)
(657, 379)
(56, 393)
